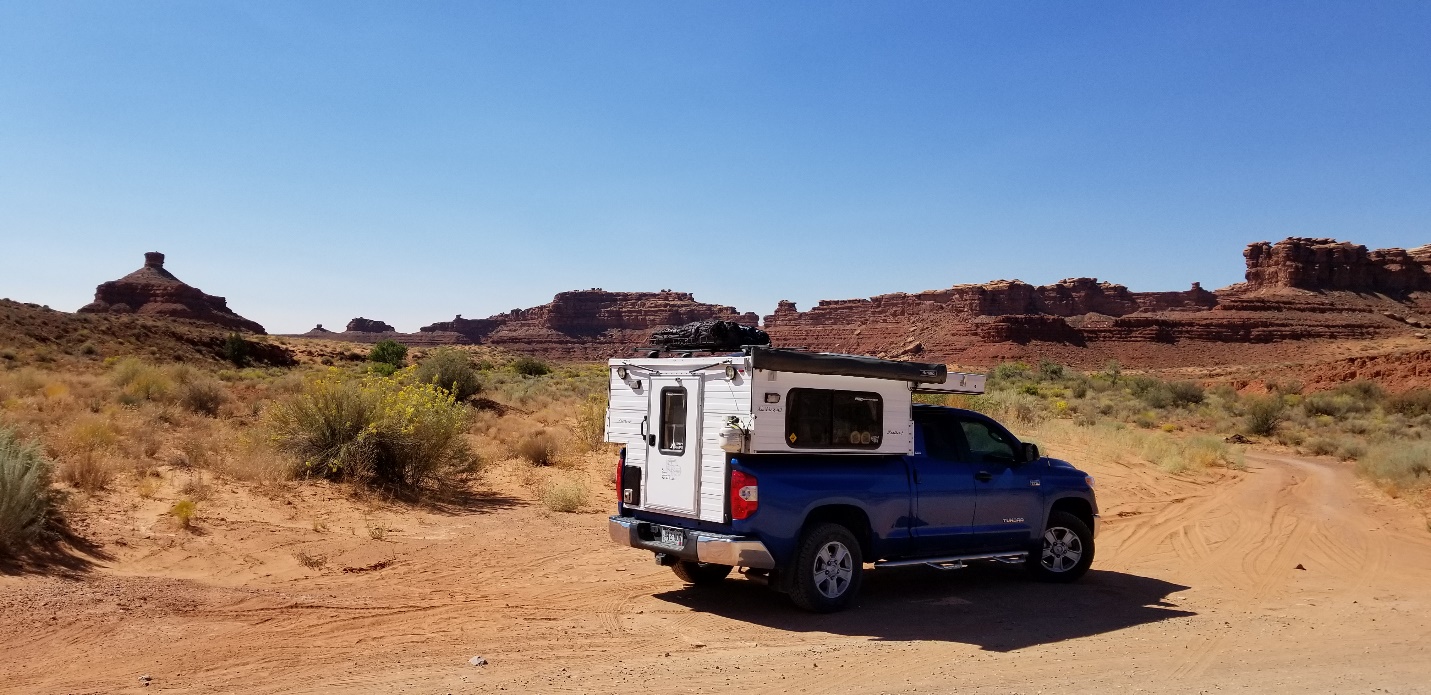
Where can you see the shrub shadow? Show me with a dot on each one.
(63, 553)
(995, 608)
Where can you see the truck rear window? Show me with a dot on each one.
(830, 419)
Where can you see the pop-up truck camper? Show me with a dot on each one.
(799, 467)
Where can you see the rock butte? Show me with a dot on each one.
(1296, 289)
(154, 291)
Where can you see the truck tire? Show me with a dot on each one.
(827, 569)
(701, 573)
(1065, 552)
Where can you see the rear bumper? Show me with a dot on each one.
(700, 546)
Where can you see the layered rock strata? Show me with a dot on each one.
(154, 291)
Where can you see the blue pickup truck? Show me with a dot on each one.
(808, 523)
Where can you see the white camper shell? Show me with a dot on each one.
(680, 417)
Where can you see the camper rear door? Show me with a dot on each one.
(673, 445)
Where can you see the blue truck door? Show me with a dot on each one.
(1010, 496)
(944, 487)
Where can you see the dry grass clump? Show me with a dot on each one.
(204, 396)
(591, 421)
(565, 496)
(85, 445)
(1398, 467)
(26, 503)
(538, 448)
(184, 512)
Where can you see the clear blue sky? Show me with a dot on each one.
(315, 161)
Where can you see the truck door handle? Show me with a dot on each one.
(915, 473)
(983, 476)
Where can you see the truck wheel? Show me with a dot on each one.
(700, 573)
(1066, 550)
(827, 569)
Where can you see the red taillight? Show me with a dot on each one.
(620, 473)
(744, 495)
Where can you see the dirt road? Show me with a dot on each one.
(1290, 577)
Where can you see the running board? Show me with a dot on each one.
(954, 562)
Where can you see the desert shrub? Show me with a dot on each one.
(567, 496)
(1011, 372)
(1263, 415)
(1321, 446)
(26, 504)
(538, 448)
(450, 370)
(203, 396)
(1404, 465)
(85, 444)
(1146, 420)
(389, 352)
(236, 350)
(1412, 403)
(1368, 392)
(530, 366)
(183, 512)
(379, 431)
(591, 420)
(1186, 393)
(1050, 371)
(1351, 449)
(139, 381)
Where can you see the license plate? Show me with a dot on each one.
(673, 537)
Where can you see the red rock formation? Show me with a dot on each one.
(1328, 264)
(154, 291)
(362, 325)
(582, 324)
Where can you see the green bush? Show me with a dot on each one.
(389, 352)
(1050, 371)
(391, 432)
(236, 350)
(1011, 371)
(451, 370)
(1263, 415)
(139, 381)
(1412, 403)
(530, 366)
(1186, 393)
(26, 504)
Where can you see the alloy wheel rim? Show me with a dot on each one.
(834, 568)
(1062, 549)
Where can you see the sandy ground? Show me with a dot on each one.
(1290, 577)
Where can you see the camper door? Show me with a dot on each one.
(673, 444)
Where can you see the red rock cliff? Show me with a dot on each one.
(1328, 264)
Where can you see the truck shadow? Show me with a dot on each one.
(995, 608)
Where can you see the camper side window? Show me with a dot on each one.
(673, 420)
(830, 419)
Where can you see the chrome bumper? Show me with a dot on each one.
(700, 546)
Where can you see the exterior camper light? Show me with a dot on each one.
(730, 372)
(621, 373)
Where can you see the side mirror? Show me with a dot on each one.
(1030, 452)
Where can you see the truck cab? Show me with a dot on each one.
(839, 473)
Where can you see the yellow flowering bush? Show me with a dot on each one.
(387, 431)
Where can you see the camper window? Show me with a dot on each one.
(673, 420)
(829, 419)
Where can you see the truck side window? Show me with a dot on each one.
(987, 444)
(943, 438)
(673, 420)
(831, 419)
